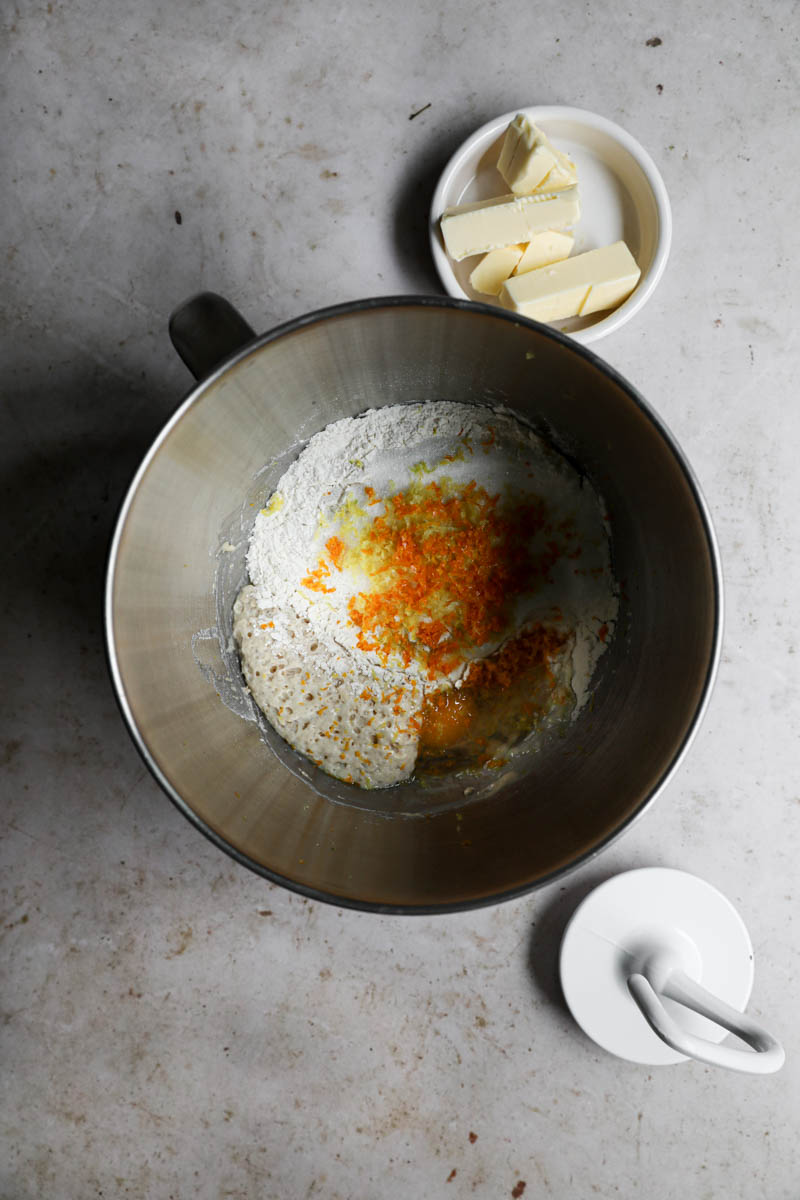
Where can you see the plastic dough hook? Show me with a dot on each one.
(657, 967)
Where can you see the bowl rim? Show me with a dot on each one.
(256, 345)
(593, 121)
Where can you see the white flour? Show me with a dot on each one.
(334, 489)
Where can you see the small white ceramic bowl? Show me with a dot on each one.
(622, 196)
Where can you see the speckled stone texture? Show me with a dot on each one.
(172, 1025)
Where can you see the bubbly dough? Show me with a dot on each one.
(349, 725)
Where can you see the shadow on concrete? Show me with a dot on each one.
(550, 923)
(62, 489)
(412, 207)
(70, 444)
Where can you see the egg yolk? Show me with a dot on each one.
(446, 720)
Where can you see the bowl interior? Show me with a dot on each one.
(178, 561)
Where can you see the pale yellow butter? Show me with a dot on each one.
(562, 174)
(543, 249)
(506, 220)
(494, 269)
(575, 287)
(528, 161)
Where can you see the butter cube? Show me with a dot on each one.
(525, 160)
(543, 249)
(562, 174)
(506, 220)
(574, 287)
(529, 162)
(494, 269)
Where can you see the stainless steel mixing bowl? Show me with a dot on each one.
(177, 560)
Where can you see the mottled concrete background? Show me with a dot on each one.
(172, 1025)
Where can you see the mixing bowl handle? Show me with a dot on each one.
(205, 330)
(660, 980)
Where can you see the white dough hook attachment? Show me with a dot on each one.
(768, 1056)
(657, 967)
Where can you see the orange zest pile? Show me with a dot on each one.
(315, 580)
(448, 564)
(335, 547)
(533, 648)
